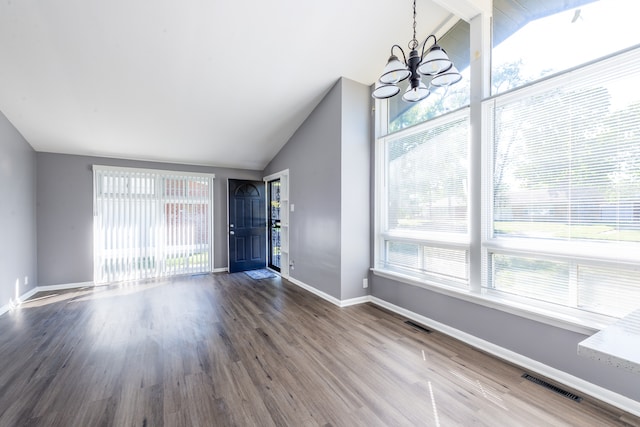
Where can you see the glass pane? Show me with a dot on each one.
(427, 179)
(143, 233)
(446, 262)
(444, 266)
(275, 247)
(533, 278)
(274, 225)
(403, 254)
(612, 291)
(274, 196)
(548, 37)
(567, 156)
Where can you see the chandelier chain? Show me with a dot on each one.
(413, 44)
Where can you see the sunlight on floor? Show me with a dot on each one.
(487, 391)
(436, 419)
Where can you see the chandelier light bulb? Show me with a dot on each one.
(384, 91)
(436, 61)
(394, 72)
(447, 78)
(415, 94)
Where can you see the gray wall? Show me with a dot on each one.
(65, 212)
(355, 180)
(17, 213)
(328, 162)
(547, 344)
(312, 156)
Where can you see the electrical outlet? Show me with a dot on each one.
(365, 283)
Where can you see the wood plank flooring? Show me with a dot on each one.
(225, 349)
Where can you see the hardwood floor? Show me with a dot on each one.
(229, 350)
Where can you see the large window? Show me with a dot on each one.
(559, 173)
(564, 219)
(533, 38)
(150, 223)
(424, 230)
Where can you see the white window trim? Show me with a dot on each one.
(382, 235)
(454, 242)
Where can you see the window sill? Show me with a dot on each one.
(583, 323)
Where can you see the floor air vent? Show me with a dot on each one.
(551, 387)
(417, 326)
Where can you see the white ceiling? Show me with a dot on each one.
(221, 83)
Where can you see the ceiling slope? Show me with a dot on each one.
(199, 82)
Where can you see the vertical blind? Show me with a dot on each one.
(150, 223)
(566, 171)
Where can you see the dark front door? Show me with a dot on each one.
(247, 225)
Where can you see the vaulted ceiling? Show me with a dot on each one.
(192, 81)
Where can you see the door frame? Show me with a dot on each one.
(285, 220)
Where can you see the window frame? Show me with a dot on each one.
(156, 200)
(382, 235)
(548, 313)
(575, 253)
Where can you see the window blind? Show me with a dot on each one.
(150, 223)
(566, 170)
(426, 216)
(427, 178)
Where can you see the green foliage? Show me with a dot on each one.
(438, 103)
(507, 77)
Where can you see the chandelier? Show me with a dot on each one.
(435, 64)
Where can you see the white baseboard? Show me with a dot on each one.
(323, 295)
(28, 294)
(64, 286)
(326, 296)
(628, 405)
(5, 308)
(355, 301)
(31, 292)
(13, 304)
(220, 270)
